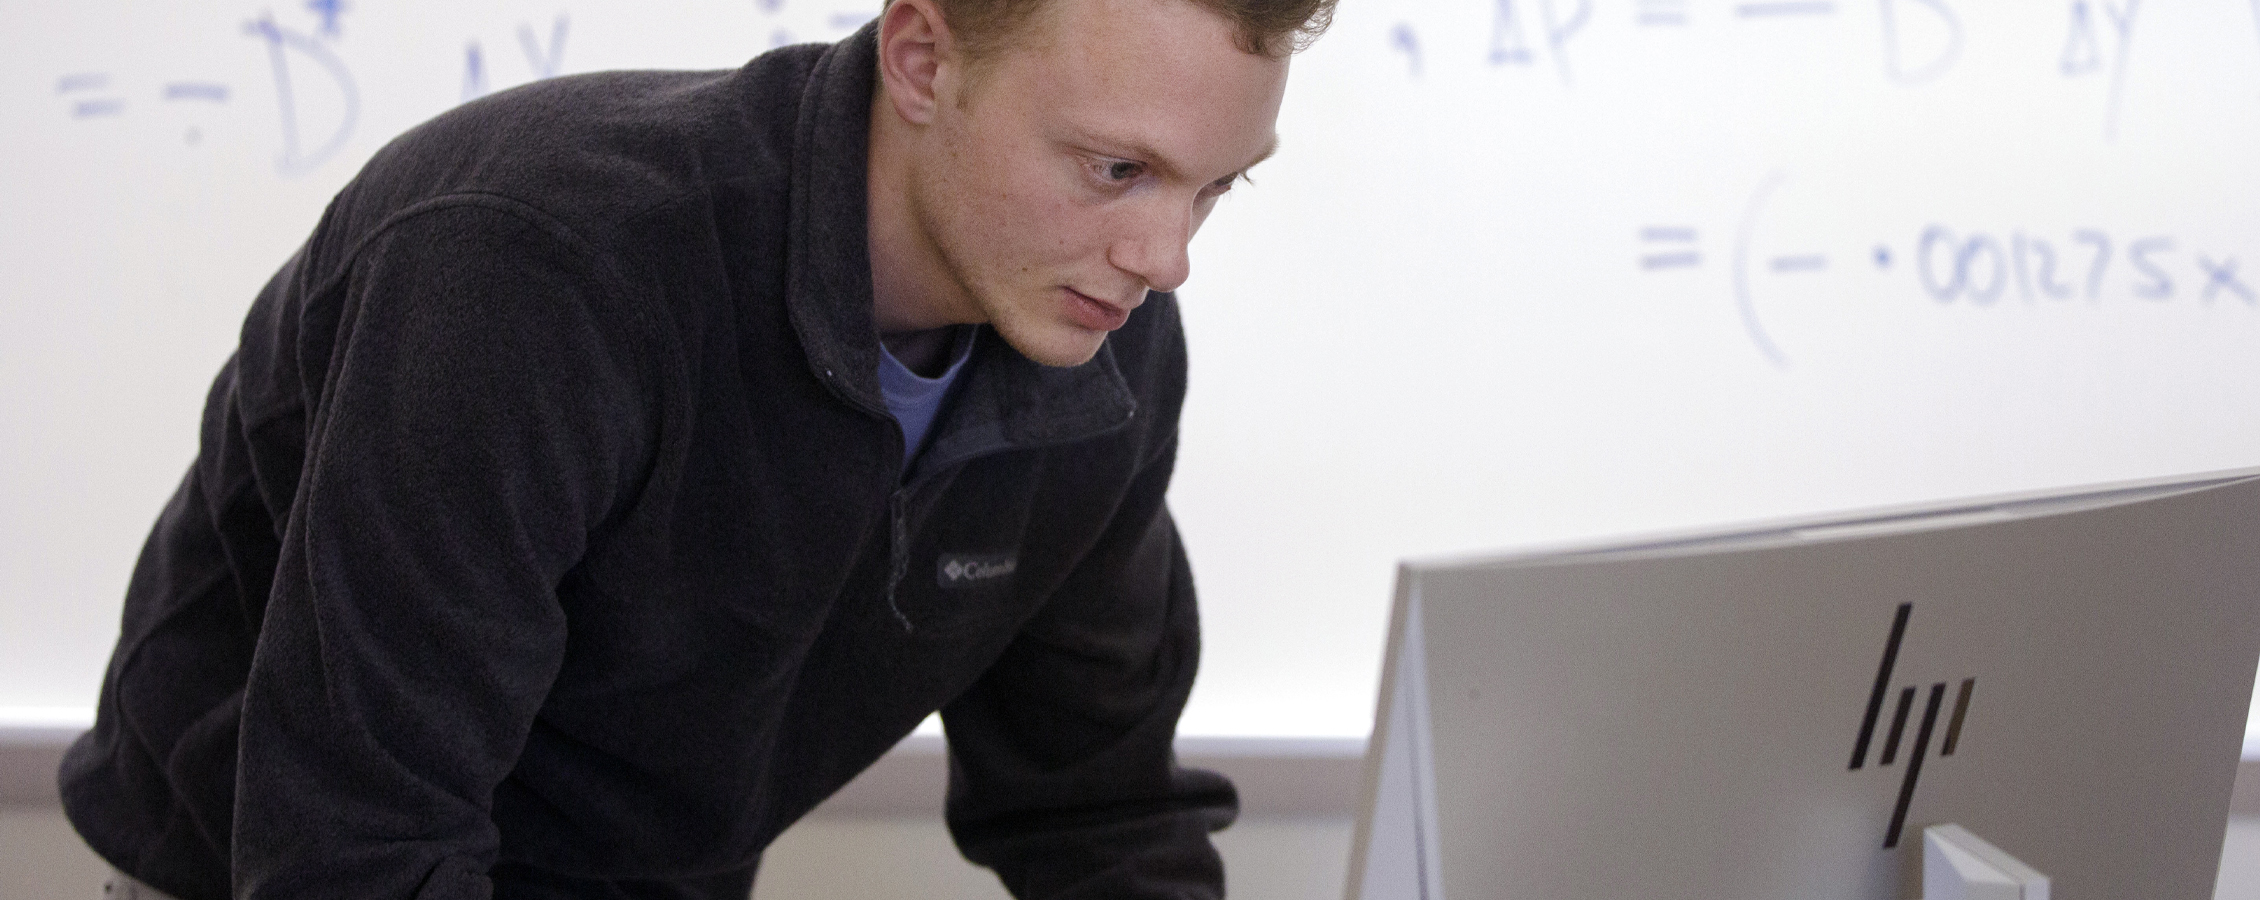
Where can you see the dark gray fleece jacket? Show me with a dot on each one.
(549, 538)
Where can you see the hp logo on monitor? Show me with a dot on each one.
(1923, 732)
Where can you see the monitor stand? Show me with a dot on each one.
(1958, 865)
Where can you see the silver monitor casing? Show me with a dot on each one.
(1678, 718)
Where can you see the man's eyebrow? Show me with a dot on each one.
(1270, 147)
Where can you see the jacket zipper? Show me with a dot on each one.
(898, 504)
(898, 501)
(898, 508)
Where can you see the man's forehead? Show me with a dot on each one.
(1162, 82)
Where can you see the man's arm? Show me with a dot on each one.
(1062, 773)
(478, 415)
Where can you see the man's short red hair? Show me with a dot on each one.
(1268, 27)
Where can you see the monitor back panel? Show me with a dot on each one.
(1705, 724)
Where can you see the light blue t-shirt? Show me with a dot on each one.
(915, 400)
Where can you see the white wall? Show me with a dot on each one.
(1524, 271)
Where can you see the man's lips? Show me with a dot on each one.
(1093, 313)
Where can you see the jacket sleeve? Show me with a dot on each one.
(474, 419)
(1062, 774)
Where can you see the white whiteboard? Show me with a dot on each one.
(1524, 271)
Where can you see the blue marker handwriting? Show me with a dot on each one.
(1907, 65)
(2083, 50)
(328, 11)
(2085, 264)
(74, 89)
(1408, 43)
(1508, 46)
(543, 62)
(298, 154)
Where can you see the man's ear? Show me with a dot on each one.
(914, 44)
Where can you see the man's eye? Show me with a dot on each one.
(1222, 184)
(1118, 170)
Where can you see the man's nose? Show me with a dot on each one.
(1154, 245)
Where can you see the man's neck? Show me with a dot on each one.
(925, 353)
(905, 271)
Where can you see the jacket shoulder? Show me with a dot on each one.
(593, 151)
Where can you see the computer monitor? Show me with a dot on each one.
(1776, 714)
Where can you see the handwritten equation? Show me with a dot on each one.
(1527, 32)
(1952, 266)
(1922, 40)
(318, 100)
(91, 95)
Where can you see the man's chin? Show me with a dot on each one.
(1060, 348)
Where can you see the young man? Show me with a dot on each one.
(627, 461)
